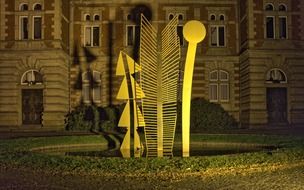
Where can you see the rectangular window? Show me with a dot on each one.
(86, 93)
(92, 36)
(213, 36)
(224, 92)
(221, 36)
(37, 27)
(96, 36)
(133, 32)
(88, 37)
(130, 35)
(23, 28)
(270, 27)
(283, 27)
(97, 87)
(213, 92)
(180, 34)
(97, 94)
(218, 36)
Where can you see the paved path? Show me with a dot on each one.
(280, 177)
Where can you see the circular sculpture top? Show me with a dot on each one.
(194, 31)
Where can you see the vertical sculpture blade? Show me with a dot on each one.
(125, 146)
(170, 58)
(133, 66)
(194, 32)
(123, 93)
(137, 91)
(120, 69)
(160, 84)
(148, 61)
(124, 120)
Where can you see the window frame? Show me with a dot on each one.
(286, 27)
(86, 83)
(220, 78)
(219, 82)
(33, 28)
(273, 27)
(218, 36)
(211, 99)
(99, 86)
(85, 17)
(217, 76)
(221, 92)
(92, 35)
(284, 5)
(21, 28)
(265, 8)
(94, 17)
(34, 5)
(91, 91)
(170, 14)
(133, 34)
(21, 7)
(211, 15)
(278, 70)
(32, 72)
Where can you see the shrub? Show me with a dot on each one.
(79, 119)
(92, 118)
(207, 116)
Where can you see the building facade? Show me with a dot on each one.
(251, 61)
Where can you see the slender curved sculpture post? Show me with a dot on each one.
(194, 32)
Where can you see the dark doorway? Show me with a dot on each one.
(32, 106)
(277, 105)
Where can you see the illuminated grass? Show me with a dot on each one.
(16, 152)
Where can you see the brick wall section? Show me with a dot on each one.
(48, 32)
(10, 5)
(49, 4)
(296, 30)
(10, 30)
(295, 5)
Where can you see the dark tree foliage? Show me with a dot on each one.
(207, 116)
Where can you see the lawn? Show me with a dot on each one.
(282, 168)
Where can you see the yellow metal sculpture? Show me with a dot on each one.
(159, 58)
(194, 32)
(130, 91)
(159, 63)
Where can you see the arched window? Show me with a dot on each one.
(219, 86)
(222, 17)
(87, 17)
(23, 7)
(171, 16)
(180, 17)
(129, 17)
(224, 76)
(214, 75)
(91, 87)
(276, 76)
(212, 17)
(282, 7)
(96, 17)
(37, 7)
(269, 7)
(31, 77)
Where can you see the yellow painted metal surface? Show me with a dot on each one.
(126, 67)
(159, 63)
(159, 59)
(194, 32)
